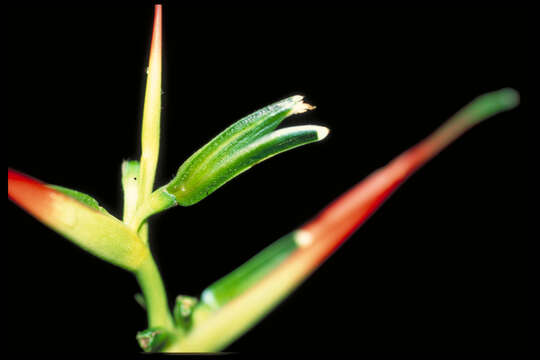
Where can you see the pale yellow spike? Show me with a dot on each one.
(151, 113)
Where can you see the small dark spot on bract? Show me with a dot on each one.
(134, 178)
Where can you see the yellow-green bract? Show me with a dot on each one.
(79, 218)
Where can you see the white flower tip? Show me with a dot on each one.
(322, 132)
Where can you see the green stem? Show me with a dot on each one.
(158, 201)
(155, 296)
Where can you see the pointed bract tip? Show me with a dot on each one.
(15, 175)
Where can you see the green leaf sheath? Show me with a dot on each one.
(248, 274)
(79, 196)
(226, 155)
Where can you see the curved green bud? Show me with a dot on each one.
(242, 145)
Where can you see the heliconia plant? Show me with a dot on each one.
(229, 307)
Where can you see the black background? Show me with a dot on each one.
(442, 266)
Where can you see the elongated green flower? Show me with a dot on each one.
(242, 145)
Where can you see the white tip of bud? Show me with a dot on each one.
(322, 132)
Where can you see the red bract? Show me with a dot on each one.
(32, 195)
